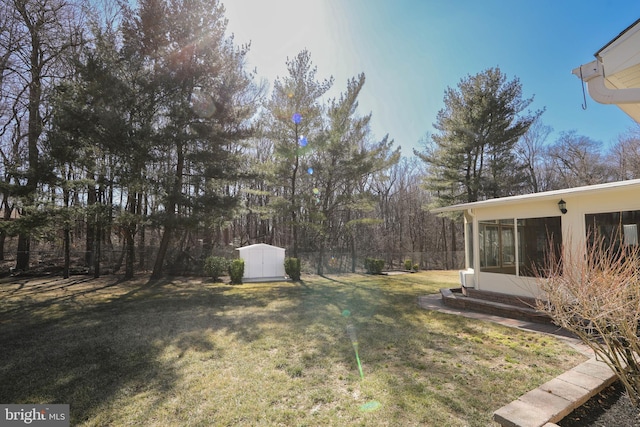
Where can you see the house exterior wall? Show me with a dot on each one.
(572, 224)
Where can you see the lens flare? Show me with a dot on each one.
(310, 171)
(202, 104)
(351, 331)
(370, 406)
(316, 191)
(302, 141)
(296, 118)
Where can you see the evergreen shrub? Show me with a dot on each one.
(215, 266)
(292, 268)
(373, 265)
(236, 271)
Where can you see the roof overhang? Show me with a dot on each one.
(614, 76)
(546, 195)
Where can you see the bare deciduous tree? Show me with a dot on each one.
(35, 43)
(624, 156)
(530, 152)
(577, 159)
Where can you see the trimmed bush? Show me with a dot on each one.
(416, 267)
(292, 268)
(408, 264)
(236, 271)
(215, 266)
(373, 265)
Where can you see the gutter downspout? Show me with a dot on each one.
(593, 74)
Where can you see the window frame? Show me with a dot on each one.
(505, 242)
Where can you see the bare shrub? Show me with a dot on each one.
(596, 295)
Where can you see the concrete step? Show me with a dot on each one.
(458, 300)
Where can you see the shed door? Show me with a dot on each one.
(253, 265)
(269, 264)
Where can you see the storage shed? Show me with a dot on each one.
(262, 262)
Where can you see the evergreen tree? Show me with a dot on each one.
(206, 101)
(293, 122)
(90, 126)
(472, 157)
(343, 161)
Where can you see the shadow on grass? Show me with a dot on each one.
(97, 343)
(86, 342)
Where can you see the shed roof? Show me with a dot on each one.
(545, 195)
(260, 245)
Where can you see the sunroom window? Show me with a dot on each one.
(536, 237)
(615, 228)
(497, 246)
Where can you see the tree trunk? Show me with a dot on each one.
(320, 266)
(67, 255)
(91, 226)
(130, 254)
(3, 237)
(141, 241)
(96, 249)
(130, 234)
(34, 129)
(22, 257)
(444, 242)
(7, 211)
(169, 227)
(162, 251)
(67, 236)
(352, 241)
(294, 212)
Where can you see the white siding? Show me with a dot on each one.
(615, 199)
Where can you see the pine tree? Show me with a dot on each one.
(293, 122)
(343, 161)
(472, 157)
(207, 101)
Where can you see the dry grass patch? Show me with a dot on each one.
(189, 352)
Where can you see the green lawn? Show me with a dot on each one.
(184, 352)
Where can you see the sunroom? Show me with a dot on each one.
(508, 240)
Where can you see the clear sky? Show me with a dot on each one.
(412, 50)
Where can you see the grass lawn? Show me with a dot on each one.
(188, 352)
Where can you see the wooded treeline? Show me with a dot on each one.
(134, 138)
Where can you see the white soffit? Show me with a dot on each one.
(632, 110)
(622, 53)
(621, 65)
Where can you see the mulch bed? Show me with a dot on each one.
(609, 408)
